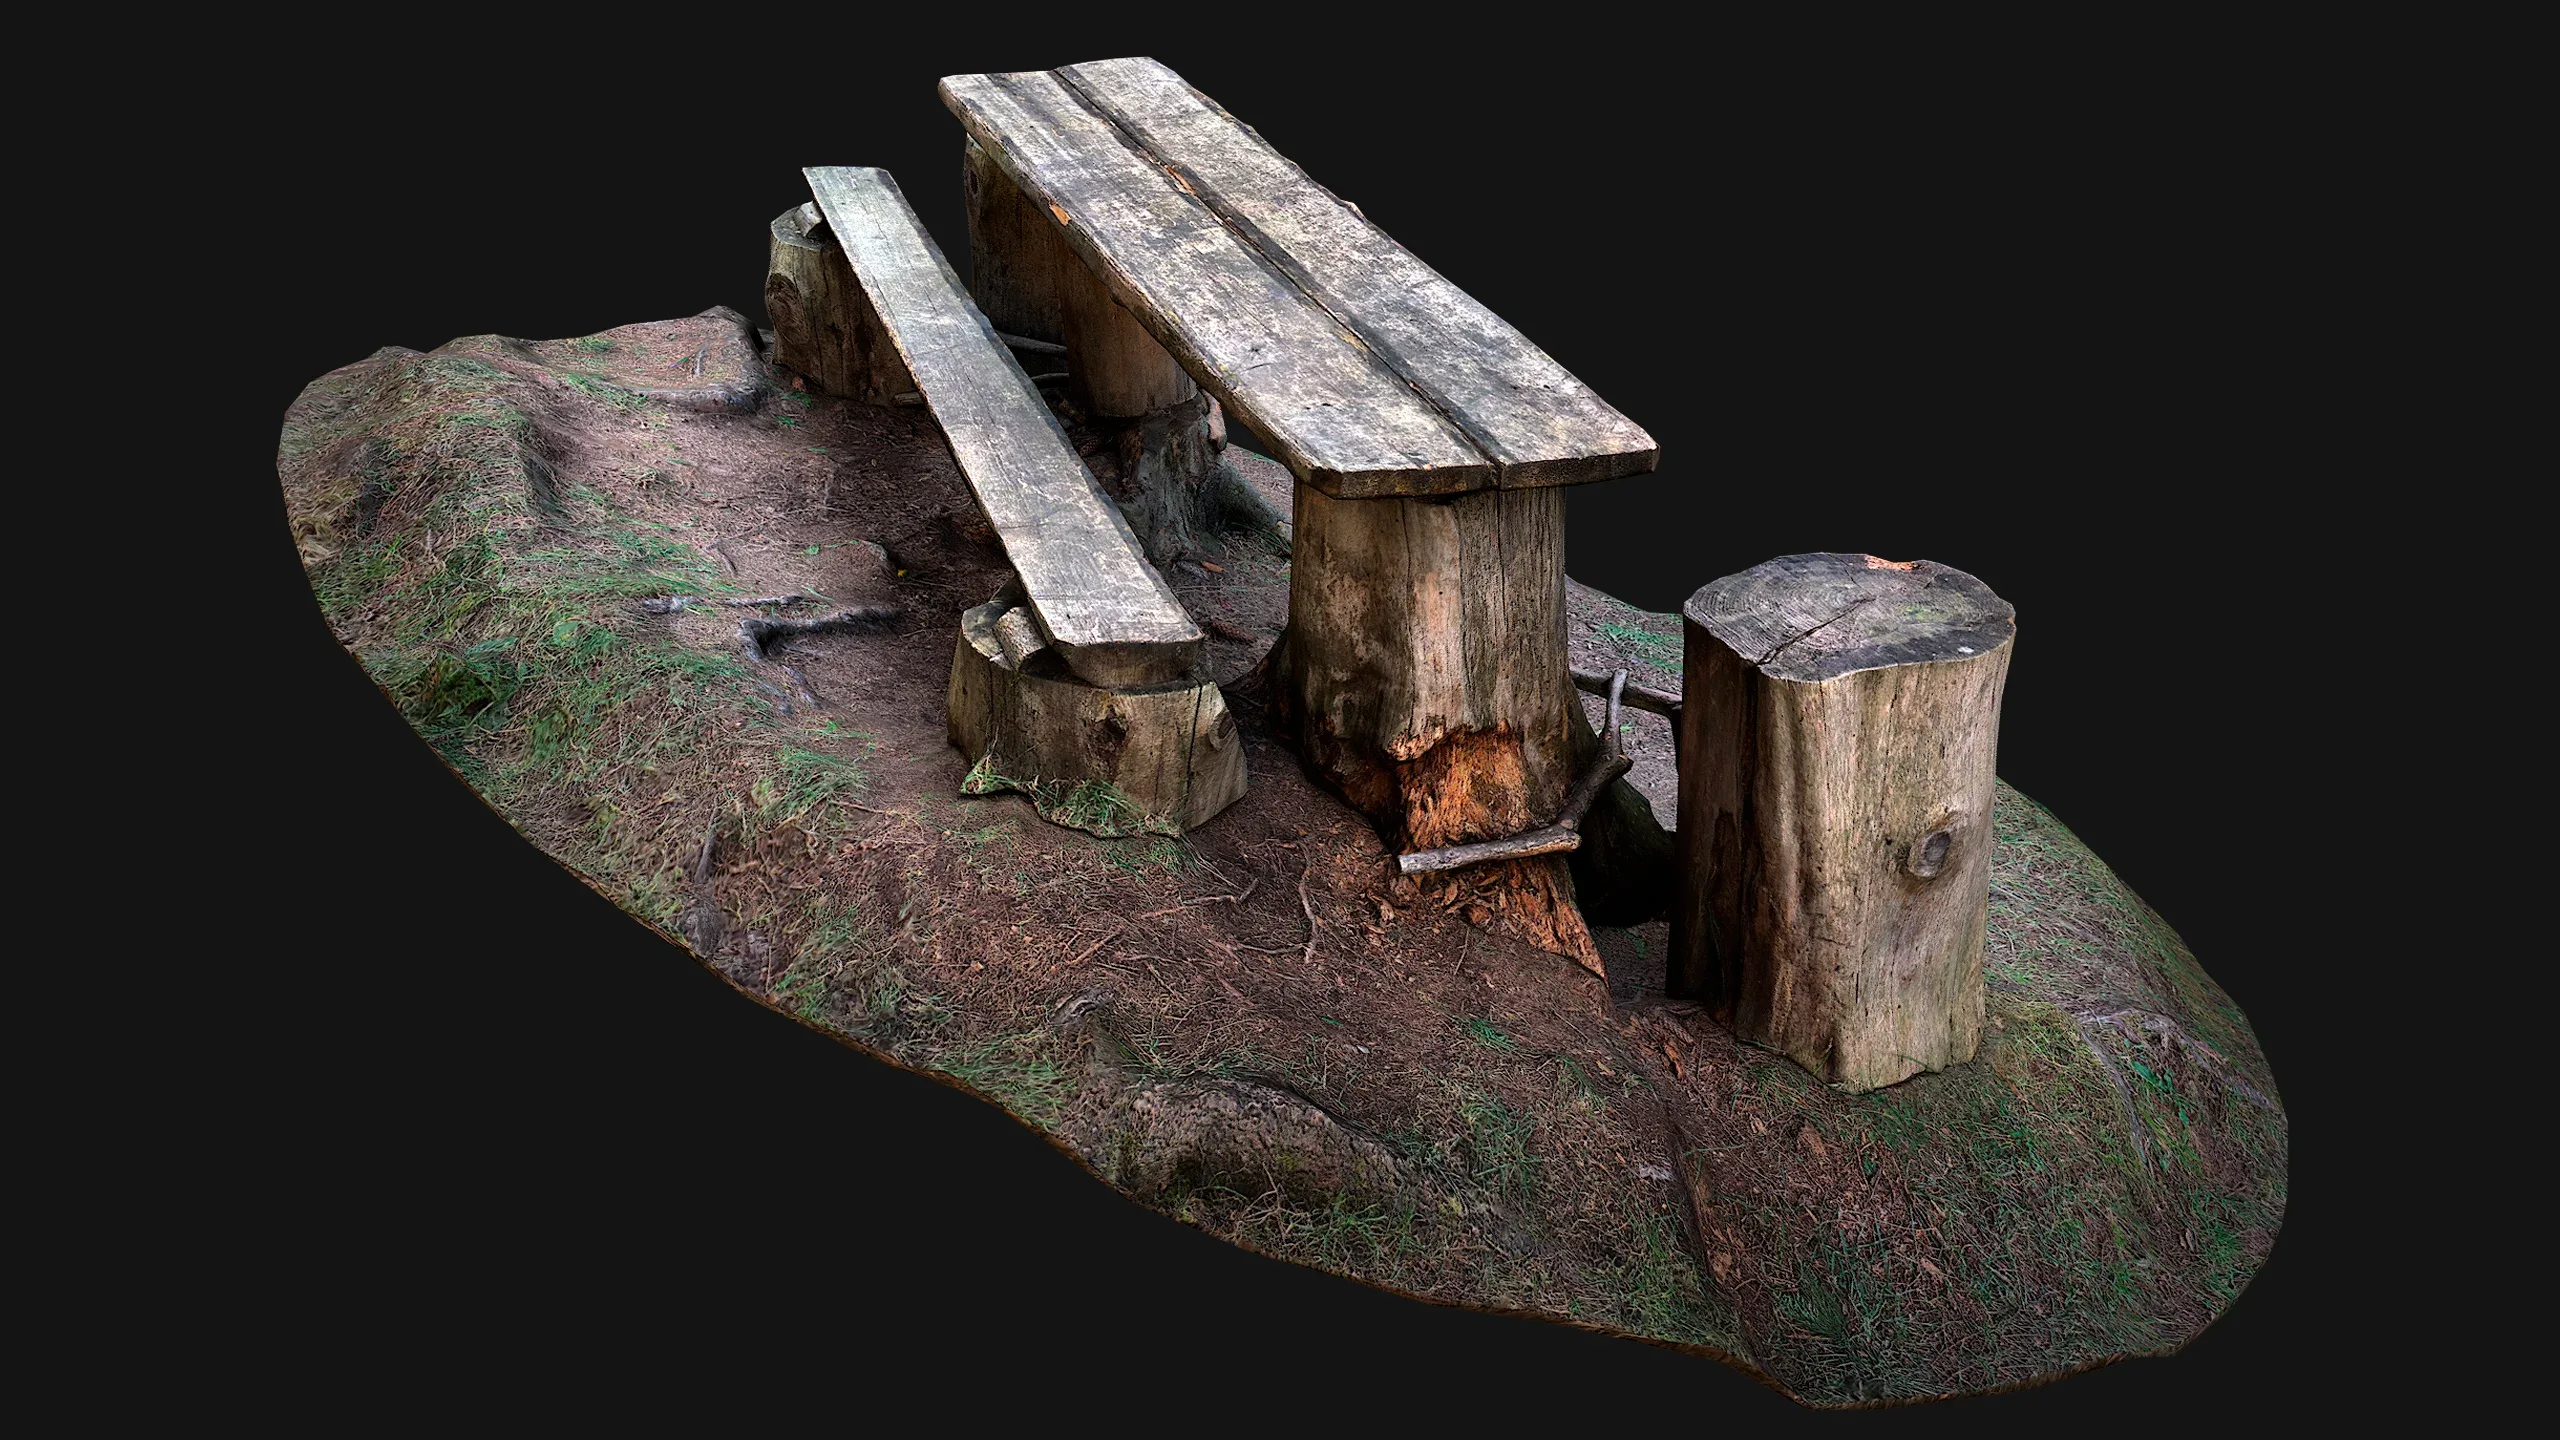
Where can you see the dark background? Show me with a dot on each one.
(2049, 321)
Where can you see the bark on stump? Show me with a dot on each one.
(823, 326)
(1113, 761)
(1423, 679)
(1840, 717)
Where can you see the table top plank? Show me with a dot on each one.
(1339, 416)
(1540, 425)
(1112, 617)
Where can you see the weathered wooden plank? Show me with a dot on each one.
(1337, 414)
(1540, 424)
(1108, 613)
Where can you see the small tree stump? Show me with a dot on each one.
(1840, 718)
(823, 325)
(1115, 761)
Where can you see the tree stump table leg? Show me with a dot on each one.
(1423, 679)
(1164, 469)
(1840, 717)
(1017, 263)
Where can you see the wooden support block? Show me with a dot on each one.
(824, 328)
(1423, 679)
(1114, 367)
(1017, 265)
(1165, 758)
(1840, 716)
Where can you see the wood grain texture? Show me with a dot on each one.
(1099, 603)
(1539, 424)
(1840, 721)
(1423, 679)
(1017, 266)
(1114, 367)
(1818, 617)
(1338, 415)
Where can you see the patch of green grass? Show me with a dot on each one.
(1577, 1086)
(801, 781)
(597, 387)
(1021, 1072)
(1087, 805)
(507, 639)
(1660, 1288)
(1499, 1145)
(1661, 650)
(1342, 1234)
(592, 344)
(1169, 854)
(1481, 1031)
(1153, 1053)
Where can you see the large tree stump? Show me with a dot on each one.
(1840, 716)
(1423, 679)
(824, 328)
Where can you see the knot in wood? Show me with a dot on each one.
(1929, 855)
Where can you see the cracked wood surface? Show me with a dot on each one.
(1105, 609)
(1538, 424)
(1818, 617)
(1369, 374)
(1335, 413)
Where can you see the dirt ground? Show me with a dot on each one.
(1255, 1027)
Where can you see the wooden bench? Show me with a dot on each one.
(1087, 636)
(1423, 674)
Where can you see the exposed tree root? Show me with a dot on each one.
(757, 634)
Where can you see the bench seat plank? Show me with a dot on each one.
(1108, 612)
(1540, 425)
(1338, 415)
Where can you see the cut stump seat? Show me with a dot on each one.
(1840, 718)
(1097, 634)
(1423, 676)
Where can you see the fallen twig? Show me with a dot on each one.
(1640, 697)
(1307, 955)
(670, 604)
(756, 635)
(1564, 833)
(1236, 899)
(1098, 944)
(702, 865)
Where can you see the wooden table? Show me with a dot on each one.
(1423, 675)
